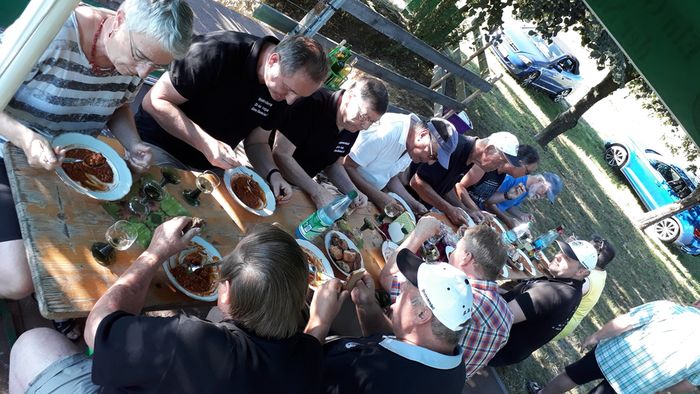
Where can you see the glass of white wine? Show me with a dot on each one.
(119, 236)
(206, 182)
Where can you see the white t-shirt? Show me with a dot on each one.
(380, 151)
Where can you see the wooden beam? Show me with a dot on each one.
(398, 34)
(284, 23)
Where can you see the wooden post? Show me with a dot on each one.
(314, 20)
(464, 63)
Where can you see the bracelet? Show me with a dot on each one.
(269, 174)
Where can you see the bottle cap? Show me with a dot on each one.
(352, 194)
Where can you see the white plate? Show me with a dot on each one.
(175, 260)
(505, 273)
(388, 248)
(405, 205)
(121, 183)
(351, 245)
(501, 227)
(327, 269)
(269, 207)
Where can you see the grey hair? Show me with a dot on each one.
(300, 53)
(488, 250)
(439, 330)
(169, 22)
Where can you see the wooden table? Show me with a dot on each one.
(59, 225)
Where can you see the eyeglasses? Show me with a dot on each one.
(139, 58)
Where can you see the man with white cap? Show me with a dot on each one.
(446, 188)
(543, 306)
(427, 322)
(383, 151)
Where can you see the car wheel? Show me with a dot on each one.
(560, 96)
(616, 155)
(530, 78)
(667, 230)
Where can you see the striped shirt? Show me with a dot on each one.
(489, 326)
(661, 349)
(61, 93)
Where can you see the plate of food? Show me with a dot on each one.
(195, 270)
(496, 224)
(519, 261)
(92, 167)
(320, 269)
(404, 204)
(343, 252)
(250, 190)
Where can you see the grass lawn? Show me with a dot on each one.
(594, 200)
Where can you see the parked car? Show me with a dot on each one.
(549, 66)
(659, 182)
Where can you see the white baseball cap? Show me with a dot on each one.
(582, 251)
(508, 144)
(445, 289)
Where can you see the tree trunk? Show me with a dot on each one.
(569, 118)
(669, 210)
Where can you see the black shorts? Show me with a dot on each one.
(587, 370)
(9, 231)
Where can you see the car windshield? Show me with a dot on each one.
(550, 51)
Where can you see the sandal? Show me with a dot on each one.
(67, 328)
(533, 387)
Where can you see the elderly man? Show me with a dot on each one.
(322, 128)
(514, 190)
(432, 183)
(427, 322)
(385, 150)
(654, 348)
(231, 87)
(541, 307)
(256, 349)
(480, 254)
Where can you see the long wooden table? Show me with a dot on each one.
(59, 225)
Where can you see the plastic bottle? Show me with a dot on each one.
(513, 235)
(319, 221)
(543, 241)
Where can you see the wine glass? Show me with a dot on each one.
(206, 182)
(391, 210)
(169, 176)
(119, 236)
(151, 191)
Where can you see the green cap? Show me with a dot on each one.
(352, 194)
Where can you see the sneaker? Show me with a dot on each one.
(68, 328)
(532, 387)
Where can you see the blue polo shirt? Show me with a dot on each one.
(507, 184)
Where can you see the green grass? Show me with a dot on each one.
(594, 201)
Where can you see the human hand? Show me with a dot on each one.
(39, 152)
(326, 303)
(590, 342)
(280, 188)
(139, 156)
(515, 191)
(359, 201)
(363, 293)
(457, 216)
(220, 154)
(477, 215)
(168, 238)
(426, 228)
(417, 207)
(322, 197)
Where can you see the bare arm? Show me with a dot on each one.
(493, 208)
(325, 305)
(340, 178)
(684, 386)
(257, 148)
(162, 103)
(613, 328)
(473, 176)
(429, 195)
(123, 127)
(397, 187)
(128, 293)
(518, 314)
(378, 197)
(370, 315)
(38, 150)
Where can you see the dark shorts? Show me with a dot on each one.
(9, 231)
(69, 375)
(587, 370)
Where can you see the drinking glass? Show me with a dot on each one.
(206, 182)
(150, 191)
(391, 211)
(119, 236)
(169, 176)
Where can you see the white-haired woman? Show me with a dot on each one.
(84, 82)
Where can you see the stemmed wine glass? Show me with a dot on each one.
(206, 182)
(151, 191)
(169, 176)
(120, 236)
(391, 210)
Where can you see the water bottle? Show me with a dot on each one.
(543, 241)
(319, 221)
(512, 236)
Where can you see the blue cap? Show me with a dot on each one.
(555, 185)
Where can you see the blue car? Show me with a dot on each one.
(536, 62)
(659, 182)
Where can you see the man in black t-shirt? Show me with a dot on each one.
(428, 320)
(432, 183)
(256, 349)
(542, 307)
(231, 87)
(322, 128)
